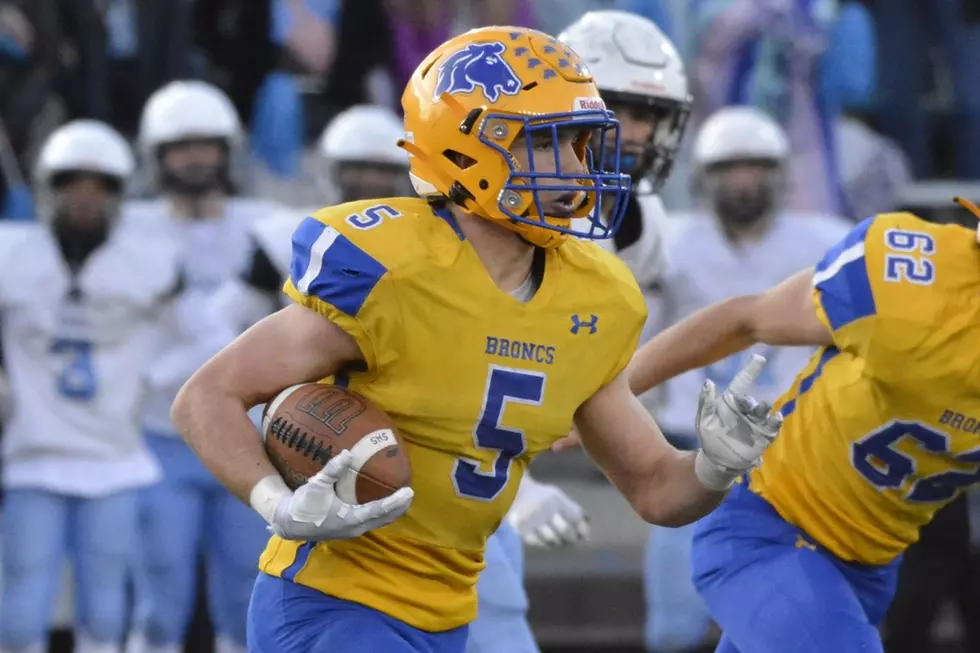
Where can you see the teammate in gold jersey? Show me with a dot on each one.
(472, 318)
(881, 430)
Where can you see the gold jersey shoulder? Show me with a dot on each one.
(883, 428)
(476, 381)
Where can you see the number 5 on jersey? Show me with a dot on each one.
(504, 385)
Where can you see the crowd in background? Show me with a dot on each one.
(902, 67)
(872, 94)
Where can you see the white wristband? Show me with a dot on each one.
(266, 495)
(713, 476)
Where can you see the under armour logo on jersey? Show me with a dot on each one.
(478, 64)
(592, 325)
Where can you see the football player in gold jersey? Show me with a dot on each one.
(881, 431)
(474, 318)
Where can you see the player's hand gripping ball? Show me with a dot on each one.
(306, 425)
(342, 459)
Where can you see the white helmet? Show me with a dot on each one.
(185, 110)
(364, 134)
(741, 134)
(738, 134)
(360, 155)
(84, 146)
(81, 146)
(635, 64)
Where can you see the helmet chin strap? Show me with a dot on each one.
(972, 208)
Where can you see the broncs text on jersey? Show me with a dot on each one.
(520, 350)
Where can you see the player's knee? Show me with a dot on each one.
(166, 620)
(102, 614)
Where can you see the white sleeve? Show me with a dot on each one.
(646, 257)
(239, 305)
(274, 235)
(196, 334)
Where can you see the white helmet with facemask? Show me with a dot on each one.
(190, 111)
(361, 153)
(741, 135)
(82, 147)
(636, 68)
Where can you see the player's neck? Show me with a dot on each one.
(209, 206)
(504, 254)
(740, 234)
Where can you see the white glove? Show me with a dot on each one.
(544, 516)
(314, 512)
(734, 431)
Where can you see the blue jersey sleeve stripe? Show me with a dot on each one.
(854, 237)
(828, 354)
(843, 282)
(328, 266)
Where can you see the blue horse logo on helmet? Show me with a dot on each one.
(478, 64)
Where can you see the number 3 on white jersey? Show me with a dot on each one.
(503, 385)
(910, 257)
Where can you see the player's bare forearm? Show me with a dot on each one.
(294, 345)
(783, 315)
(215, 425)
(658, 480)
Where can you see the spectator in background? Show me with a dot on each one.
(873, 169)
(552, 16)
(114, 53)
(361, 69)
(909, 33)
(419, 26)
(304, 32)
(82, 48)
(233, 36)
(148, 43)
(29, 108)
(800, 61)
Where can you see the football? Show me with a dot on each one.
(307, 424)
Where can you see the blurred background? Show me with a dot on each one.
(891, 120)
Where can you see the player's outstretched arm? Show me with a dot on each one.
(782, 315)
(664, 485)
(294, 345)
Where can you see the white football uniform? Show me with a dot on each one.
(645, 255)
(75, 358)
(239, 303)
(641, 246)
(704, 267)
(274, 236)
(213, 251)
